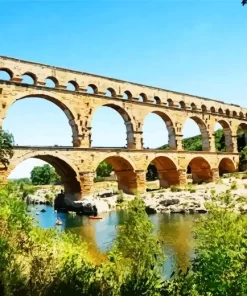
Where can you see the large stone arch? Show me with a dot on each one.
(59, 103)
(169, 125)
(167, 171)
(125, 173)
(226, 165)
(65, 168)
(128, 121)
(203, 129)
(200, 169)
(227, 133)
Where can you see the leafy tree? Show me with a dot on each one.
(44, 175)
(6, 147)
(104, 169)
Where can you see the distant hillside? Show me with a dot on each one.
(195, 143)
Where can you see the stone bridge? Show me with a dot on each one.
(80, 94)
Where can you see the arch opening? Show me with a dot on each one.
(92, 89)
(29, 78)
(107, 134)
(51, 82)
(124, 174)
(195, 135)
(164, 170)
(162, 138)
(242, 136)
(68, 175)
(72, 86)
(200, 170)
(6, 74)
(226, 166)
(182, 105)
(142, 98)
(157, 100)
(110, 92)
(223, 136)
(127, 95)
(37, 120)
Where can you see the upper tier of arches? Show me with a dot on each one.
(47, 76)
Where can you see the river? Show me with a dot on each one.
(173, 230)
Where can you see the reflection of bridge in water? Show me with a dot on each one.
(133, 102)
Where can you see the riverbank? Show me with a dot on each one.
(176, 199)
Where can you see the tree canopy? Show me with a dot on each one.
(6, 147)
(44, 175)
(104, 169)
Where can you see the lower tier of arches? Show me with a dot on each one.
(77, 167)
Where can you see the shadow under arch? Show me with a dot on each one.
(167, 171)
(63, 167)
(226, 165)
(125, 173)
(200, 170)
(69, 114)
(203, 129)
(170, 128)
(127, 121)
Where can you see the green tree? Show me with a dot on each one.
(44, 175)
(104, 169)
(6, 147)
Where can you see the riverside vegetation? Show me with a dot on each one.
(35, 261)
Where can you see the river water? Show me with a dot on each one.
(173, 230)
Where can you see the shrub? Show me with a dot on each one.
(234, 186)
(175, 188)
(98, 179)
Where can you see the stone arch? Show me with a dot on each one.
(92, 89)
(157, 100)
(227, 112)
(212, 110)
(74, 84)
(204, 132)
(241, 114)
(8, 71)
(127, 95)
(227, 134)
(110, 92)
(54, 80)
(65, 168)
(193, 107)
(182, 105)
(204, 108)
(167, 171)
(170, 103)
(125, 173)
(170, 128)
(242, 135)
(200, 170)
(127, 121)
(143, 98)
(69, 114)
(234, 113)
(32, 76)
(226, 165)
(220, 111)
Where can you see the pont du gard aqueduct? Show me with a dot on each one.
(77, 164)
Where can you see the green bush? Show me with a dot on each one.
(98, 179)
(175, 188)
(234, 186)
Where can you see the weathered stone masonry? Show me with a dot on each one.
(133, 102)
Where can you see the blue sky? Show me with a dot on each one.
(196, 47)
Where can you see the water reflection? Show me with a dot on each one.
(174, 231)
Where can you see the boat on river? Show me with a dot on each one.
(59, 222)
(95, 217)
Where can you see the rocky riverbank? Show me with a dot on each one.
(188, 199)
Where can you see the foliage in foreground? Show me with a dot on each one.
(34, 261)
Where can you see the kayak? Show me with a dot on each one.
(95, 217)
